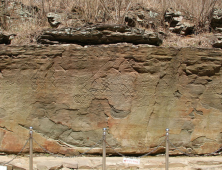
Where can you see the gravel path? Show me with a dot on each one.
(148, 163)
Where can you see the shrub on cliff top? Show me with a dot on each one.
(94, 11)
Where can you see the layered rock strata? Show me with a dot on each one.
(69, 93)
(140, 16)
(177, 23)
(99, 34)
(216, 25)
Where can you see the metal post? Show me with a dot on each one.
(167, 150)
(104, 149)
(30, 149)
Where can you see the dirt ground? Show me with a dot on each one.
(145, 163)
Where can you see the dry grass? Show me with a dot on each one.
(108, 11)
(115, 9)
(202, 40)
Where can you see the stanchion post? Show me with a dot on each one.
(30, 149)
(104, 149)
(167, 150)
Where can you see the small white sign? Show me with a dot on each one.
(131, 161)
(3, 167)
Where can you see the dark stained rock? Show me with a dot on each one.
(173, 17)
(177, 23)
(218, 42)
(54, 19)
(143, 17)
(17, 168)
(216, 21)
(99, 34)
(6, 39)
(216, 25)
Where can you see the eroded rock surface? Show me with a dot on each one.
(69, 93)
(99, 34)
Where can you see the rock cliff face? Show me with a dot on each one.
(68, 93)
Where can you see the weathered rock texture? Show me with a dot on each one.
(216, 20)
(139, 16)
(177, 23)
(99, 34)
(54, 19)
(69, 93)
(216, 24)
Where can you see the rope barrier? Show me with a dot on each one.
(180, 150)
(212, 153)
(56, 155)
(137, 156)
(103, 140)
(16, 155)
(152, 150)
(115, 150)
(193, 155)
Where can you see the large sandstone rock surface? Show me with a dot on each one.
(68, 93)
